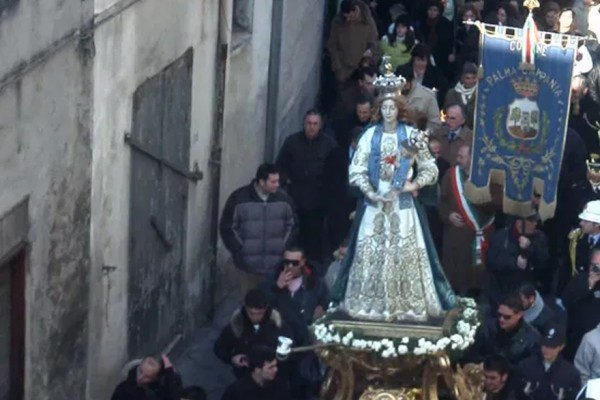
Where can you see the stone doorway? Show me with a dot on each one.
(12, 326)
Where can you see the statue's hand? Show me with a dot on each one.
(410, 187)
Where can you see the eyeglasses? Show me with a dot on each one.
(294, 263)
(505, 317)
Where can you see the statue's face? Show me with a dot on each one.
(389, 111)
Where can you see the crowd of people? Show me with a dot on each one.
(537, 282)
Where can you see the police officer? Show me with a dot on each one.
(548, 375)
(582, 241)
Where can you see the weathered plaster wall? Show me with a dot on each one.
(245, 114)
(129, 49)
(26, 29)
(45, 155)
(299, 77)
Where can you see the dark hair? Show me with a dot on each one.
(364, 98)
(347, 6)
(313, 111)
(264, 170)
(259, 355)
(193, 393)
(469, 68)
(421, 50)
(295, 249)
(527, 290)
(512, 301)
(406, 71)
(363, 72)
(497, 363)
(409, 38)
(256, 298)
(460, 106)
(475, 11)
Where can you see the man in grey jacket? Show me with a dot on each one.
(257, 224)
(587, 359)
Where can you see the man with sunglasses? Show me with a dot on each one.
(301, 296)
(508, 334)
(299, 293)
(581, 297)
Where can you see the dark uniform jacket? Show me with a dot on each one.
(166, 388)
(302, 163)
(297, 311)
(240, 335)
(539, 384)
(247, 389)
(501, 261)
(257, 231)
(515, 346)
(583, 306)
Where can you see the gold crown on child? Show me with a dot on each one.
(389, 84)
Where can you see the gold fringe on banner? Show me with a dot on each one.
(481, 195)
(477, 195)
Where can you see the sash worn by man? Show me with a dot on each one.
(466, 228)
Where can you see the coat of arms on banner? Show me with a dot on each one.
(523, 118)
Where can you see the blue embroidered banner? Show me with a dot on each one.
(521, 118)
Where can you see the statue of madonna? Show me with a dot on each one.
(392, 272)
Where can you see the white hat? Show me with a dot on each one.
(591, 212)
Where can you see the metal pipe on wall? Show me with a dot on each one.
(217, 148)
(271, 137)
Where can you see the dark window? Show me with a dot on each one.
(243, 14)
(6, 4)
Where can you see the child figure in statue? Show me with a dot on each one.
(392, 272)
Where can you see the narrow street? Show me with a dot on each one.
(198, 364)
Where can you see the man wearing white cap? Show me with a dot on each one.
(582, 240)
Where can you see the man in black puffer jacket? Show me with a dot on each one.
(258, 223)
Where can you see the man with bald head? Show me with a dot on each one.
(151, 379)
(454, 133)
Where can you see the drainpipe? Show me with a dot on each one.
(271, 137)
(217, 146)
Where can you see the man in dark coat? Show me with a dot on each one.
(517, 254)
(535, 312)
(426, 74)
(299, 293)
(256, 323)
(258, 222)
(582, 300)
(152, 379)
(263, 380)
(508, 335)
(302, 163)
(547, 375)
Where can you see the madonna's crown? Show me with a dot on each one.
(388, 84)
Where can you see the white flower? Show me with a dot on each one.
(456, 338)
(419, 351)
(337, 338)
(405, 340)
(402, 349)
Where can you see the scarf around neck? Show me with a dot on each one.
(465, 94)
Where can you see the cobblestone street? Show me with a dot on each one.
(198, 364)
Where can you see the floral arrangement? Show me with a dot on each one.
(461, 337)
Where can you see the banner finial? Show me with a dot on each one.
(531, 4)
